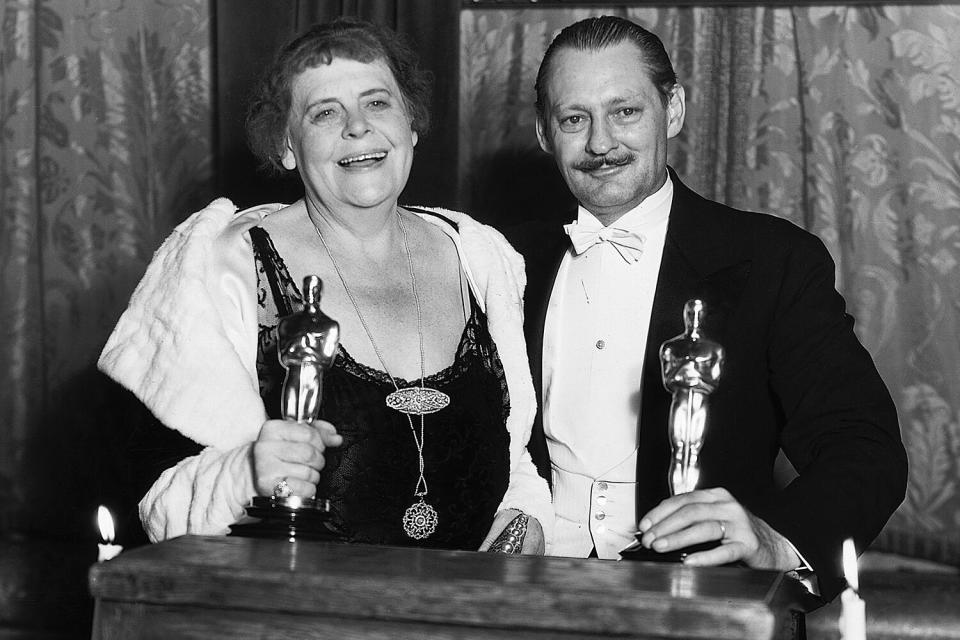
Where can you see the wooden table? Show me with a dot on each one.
(206, 587)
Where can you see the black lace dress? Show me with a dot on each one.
(371, 478)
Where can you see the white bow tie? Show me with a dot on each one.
(627, 243)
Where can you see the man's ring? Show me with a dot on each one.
(723, 530)
(282, 489)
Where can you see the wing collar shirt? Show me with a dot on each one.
(593, 348)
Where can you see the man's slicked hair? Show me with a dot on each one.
(600, 32)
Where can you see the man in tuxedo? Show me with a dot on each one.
(602, 297)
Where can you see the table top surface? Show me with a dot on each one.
(460, 587)
(323, 563)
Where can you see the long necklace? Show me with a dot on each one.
(420, 518)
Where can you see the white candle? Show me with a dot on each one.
(106, 549)
(853, 613)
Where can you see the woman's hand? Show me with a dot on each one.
(532, 540)
(291, 451)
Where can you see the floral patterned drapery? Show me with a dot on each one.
(108, 113)
(105, 127)
(845, 120)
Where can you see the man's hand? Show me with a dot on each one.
(713, 514)
(533, 543)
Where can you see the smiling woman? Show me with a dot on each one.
(428, 304)
(349, 135)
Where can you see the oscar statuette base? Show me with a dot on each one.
(289, 519)
(639, 553)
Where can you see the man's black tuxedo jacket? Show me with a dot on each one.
(795, 377)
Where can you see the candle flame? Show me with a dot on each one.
(105, 522)
(850, 571)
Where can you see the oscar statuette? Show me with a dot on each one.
(691, 365)
(307, 343)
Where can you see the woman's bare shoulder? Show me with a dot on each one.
(289, 220)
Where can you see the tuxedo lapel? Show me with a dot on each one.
(676, 279)
(701, 259)
(542, 270)
(543, 256)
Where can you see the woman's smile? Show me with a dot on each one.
(363, 160)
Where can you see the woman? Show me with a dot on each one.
(424, 299)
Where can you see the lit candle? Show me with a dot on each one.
(106, 549)
(853, 615)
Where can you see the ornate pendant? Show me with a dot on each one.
(420, 520)
(417, 400)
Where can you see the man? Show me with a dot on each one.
(600, 302)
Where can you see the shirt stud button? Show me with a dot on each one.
(601, 344)
(601, 500)
(599, 515)
(602, 486)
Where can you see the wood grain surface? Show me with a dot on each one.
(245, 588)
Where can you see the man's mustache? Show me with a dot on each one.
(592, 164)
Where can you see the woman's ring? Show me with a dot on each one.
(723, 530)
(283, 490)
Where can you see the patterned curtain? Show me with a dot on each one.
(843, 120)
(105, 128)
